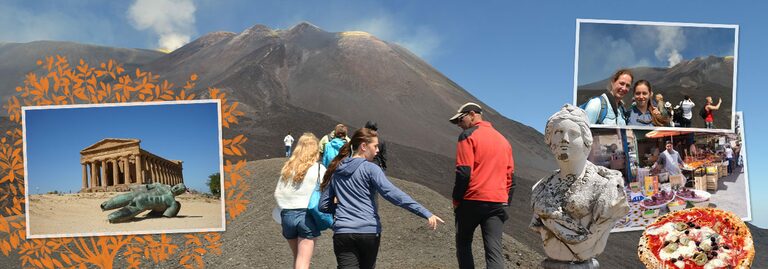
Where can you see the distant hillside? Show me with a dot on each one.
(18, 59)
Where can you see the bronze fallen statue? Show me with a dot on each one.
(157, 197)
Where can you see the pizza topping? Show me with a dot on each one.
(686, 241)
(698, 238)
(671, 247)
(700, 258)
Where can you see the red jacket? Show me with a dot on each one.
(484, 166)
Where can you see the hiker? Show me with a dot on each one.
(665, 111)
(353, 181)
(483, 186)
(381, 158)
(288, 140)
(298, 178)
(709, 119)
(328, 137)
(332, 148)
(687, 111)
(610, 111)
(640, 110)
(644, 111)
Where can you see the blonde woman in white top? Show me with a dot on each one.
(297, 180)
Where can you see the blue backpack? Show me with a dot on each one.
(603, 109)
(322, 220)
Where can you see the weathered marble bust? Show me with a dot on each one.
(575, 208)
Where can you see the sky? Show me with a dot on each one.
(605, 47)
(55, 137)
(517, 57)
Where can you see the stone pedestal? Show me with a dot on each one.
(554, 264)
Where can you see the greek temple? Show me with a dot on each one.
(118, 161)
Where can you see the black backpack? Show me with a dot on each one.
(678, 117)
(703, 112)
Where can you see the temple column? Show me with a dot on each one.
(115, 172)
(85, 175)
(159, 168)
(103, 169)
(159, 172)
(153, 170)
(126, 170)
(164, 169)
(94, 176)
(139, 174)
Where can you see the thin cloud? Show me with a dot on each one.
(601, 55)
(420, 40)
(18, 24)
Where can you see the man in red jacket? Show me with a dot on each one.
(483, 187)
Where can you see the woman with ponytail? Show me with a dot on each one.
(298, 179)
(349, 191)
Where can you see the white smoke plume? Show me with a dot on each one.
(172, 20)
(671, 42)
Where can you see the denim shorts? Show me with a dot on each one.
(297, 223)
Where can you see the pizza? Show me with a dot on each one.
(697, 238)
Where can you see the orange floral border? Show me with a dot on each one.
(107, 83)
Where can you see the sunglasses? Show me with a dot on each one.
(460, 118)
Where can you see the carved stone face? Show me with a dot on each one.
(567, 143)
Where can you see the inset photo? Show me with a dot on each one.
(669, 170)
(648, 75)
(129, 168)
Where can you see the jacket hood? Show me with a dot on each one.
(337, 143)
(348, 166)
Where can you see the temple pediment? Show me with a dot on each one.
(108, 143)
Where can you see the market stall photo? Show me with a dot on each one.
(667, 171)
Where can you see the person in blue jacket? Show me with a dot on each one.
(349, 191)
(333, 147)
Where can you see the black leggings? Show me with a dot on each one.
(356, 250)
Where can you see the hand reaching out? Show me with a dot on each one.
(432, 221)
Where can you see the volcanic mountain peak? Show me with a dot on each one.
(355, 34)
(259, 30)
(212, 38)
(304, 28)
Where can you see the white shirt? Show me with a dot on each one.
(296, 196)
(728, 153)
(687, 106)
(671, 161)
(288, 140)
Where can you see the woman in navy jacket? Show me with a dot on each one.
(349, 190)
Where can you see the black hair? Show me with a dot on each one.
(371, 125)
